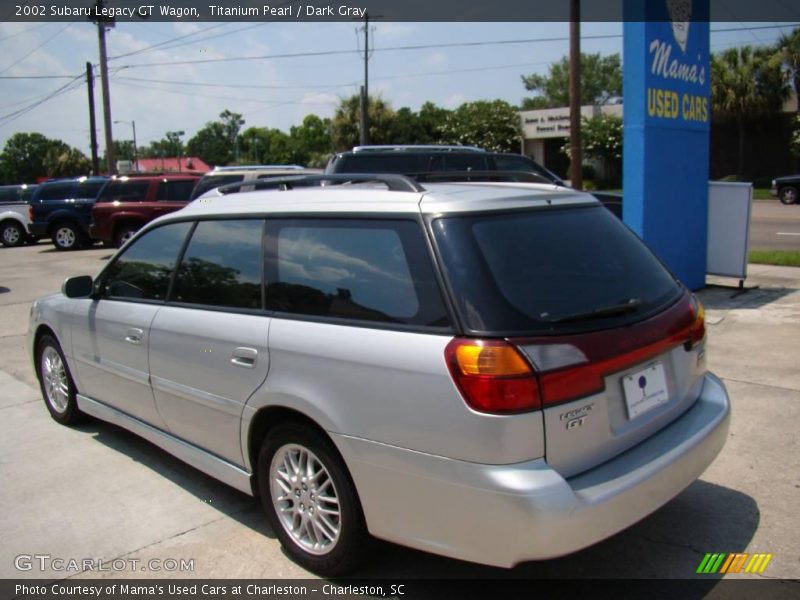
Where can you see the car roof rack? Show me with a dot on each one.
(418, 147)
(480, 176)
(393, 182)
(258, 167)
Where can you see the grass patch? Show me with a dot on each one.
(762, 194)
(783, 258)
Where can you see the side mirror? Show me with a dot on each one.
(81, 286)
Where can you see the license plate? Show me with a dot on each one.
(645, 389)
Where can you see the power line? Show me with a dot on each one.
(411, 48)
(169, 41)
(67, 87)
(232, 85)
(44, 43)
(28, 30)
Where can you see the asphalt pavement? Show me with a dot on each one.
(98, 492)
(774, 226)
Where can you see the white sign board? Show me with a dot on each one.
(729, 206)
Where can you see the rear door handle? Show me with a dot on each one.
(134, 336)
(244, 357)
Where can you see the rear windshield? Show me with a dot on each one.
(209, 182)
(550, 270)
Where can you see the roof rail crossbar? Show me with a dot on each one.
(418, 147)
(393, 182)
(257, 167)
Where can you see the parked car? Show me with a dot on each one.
(125, 204)
(491, 372)
(15, 214)
(245, 174)
(61, 210)
(423, 161)
(785, 188)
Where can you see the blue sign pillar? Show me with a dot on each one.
(666, 84)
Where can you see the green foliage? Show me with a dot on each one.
(27, 156)
(311, 142)
(216, 142)
(788, 51)
(493, 125)
(262, 145)
(346, 122)
(601, 80)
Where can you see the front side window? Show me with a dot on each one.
(144, 269)
(222, 265)
(352, 269)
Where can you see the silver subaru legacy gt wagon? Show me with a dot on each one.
(496, 372)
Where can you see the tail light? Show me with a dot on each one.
(529, 373)
(697, 331)
(492, 376)
(30, 213)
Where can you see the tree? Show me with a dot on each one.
(346, 122)
(601, 81)
(311, 141)
(788, 47)
(493, 125)
(794, 144)
(216, 142)
(432, 118)
(65, 161)
(602, 139)
(28, 156)
(745, 85)
(261, 145)
(168, 146)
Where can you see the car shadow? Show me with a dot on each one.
(4, 290)
(718, 297)
(669, 544)
(237, 505)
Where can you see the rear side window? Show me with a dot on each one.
(209, 182)
(352, 269)
(222, 265)
(380, 163)
(125, 190)
(547, 270)
(56, 191)
(8, 195)
(144, 269)
(175, 190)
(463, 162)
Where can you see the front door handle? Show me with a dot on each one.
(134, 336)
(244, 357)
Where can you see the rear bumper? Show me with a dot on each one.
(506, 514)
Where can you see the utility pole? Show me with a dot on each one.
(365, 89)
(576, 150)
(92, 121)
(102, 23)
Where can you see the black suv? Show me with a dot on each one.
(434, 162)
(421, 160)
(62, 210)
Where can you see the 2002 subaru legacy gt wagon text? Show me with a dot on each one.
(362, 356)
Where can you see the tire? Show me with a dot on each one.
(322, 541)
(67, 236)
(55, 381)
(12, 234)
(788, 194)
(123, 234)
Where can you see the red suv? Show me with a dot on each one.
(127, 203)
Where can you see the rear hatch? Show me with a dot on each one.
(615, 342)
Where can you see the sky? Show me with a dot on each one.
(45, 61)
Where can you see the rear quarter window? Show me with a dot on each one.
(362, 270)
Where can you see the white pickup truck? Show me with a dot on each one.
(14, 215)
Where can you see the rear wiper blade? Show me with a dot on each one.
(629, 305)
